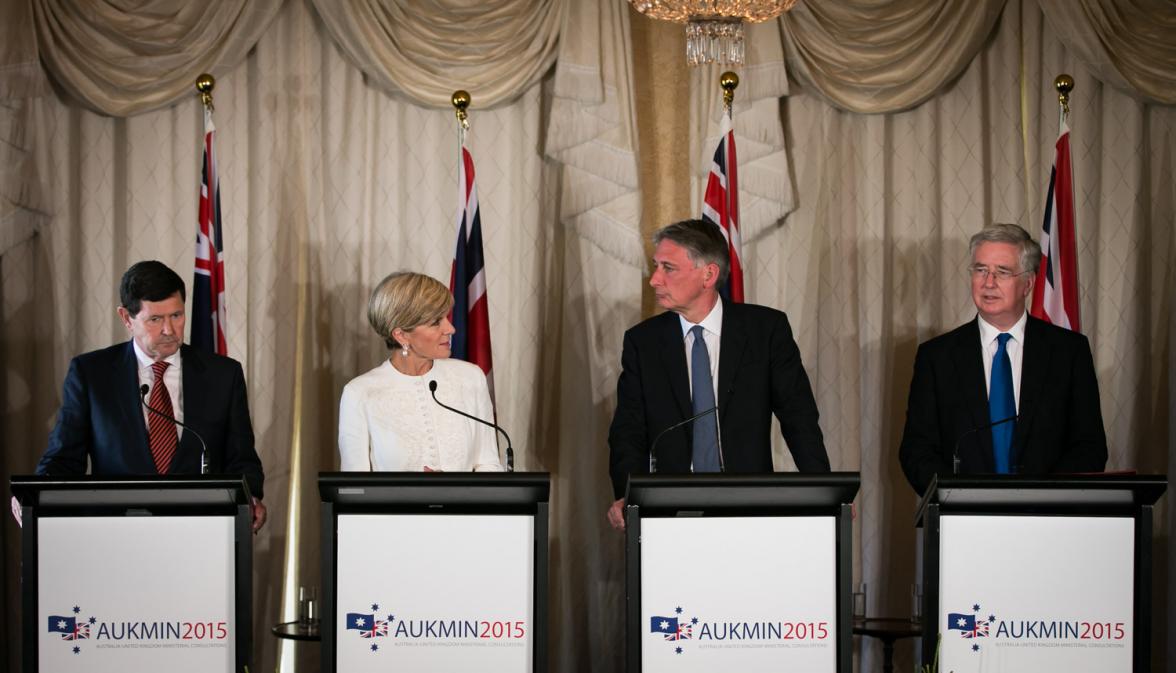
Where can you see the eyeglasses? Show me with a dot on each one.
(981, 273)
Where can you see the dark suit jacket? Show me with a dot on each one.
(101, 418)
(1059, 426)
(760, 374)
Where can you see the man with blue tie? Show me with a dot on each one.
(732, 365)
(1005, 393)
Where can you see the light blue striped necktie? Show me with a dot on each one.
(706, 436)
(1001, 405)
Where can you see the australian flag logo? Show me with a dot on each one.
(369, 624)
(970, 625)
(676, 628)
(71, 627)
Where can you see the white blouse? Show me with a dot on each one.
(388, 421)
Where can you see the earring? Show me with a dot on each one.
(404, 351)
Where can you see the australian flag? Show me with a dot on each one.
(670, 628)
(720, 206)
(467, 281)
(69, 628)
(967, 625)
(367, 625)
(208, 286)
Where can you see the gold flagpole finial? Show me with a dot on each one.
(205, 83)
(1064, 84)
(729, 81)
(461, 101)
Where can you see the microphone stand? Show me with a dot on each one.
(509, 447)
(143, 390)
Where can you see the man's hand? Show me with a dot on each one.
(16, 511)
(258, 515)
(616, 514)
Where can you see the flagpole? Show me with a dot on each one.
(1064, 84)
(205, 83)
(729, 81)
(461, 102)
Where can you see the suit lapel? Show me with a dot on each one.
(969, 363)
(1035, 355)
(193, 374)
(126, 383)
(674, 361)
(732, 344)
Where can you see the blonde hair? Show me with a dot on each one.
(405, 300)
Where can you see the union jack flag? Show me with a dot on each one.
(721, 205)
(671, 628)
(1055, 293)
(968, 625)
(367, 625)
(208, 287)
(69, 628)
(467, 281)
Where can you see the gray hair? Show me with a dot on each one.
(405, 300)
(704, 243)
(1009, 233)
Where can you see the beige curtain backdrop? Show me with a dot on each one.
(122, 58)
(425, 55)
(857, 227)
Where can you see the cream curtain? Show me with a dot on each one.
(1128, 45)
(592, 130)
(121, 58)
(427, 55)
(870, 56)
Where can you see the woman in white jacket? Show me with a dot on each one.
(388, 421)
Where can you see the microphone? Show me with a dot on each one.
(695, 417)
(143, 390)
(955, 453)
(509, 447)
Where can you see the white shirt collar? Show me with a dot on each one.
(713, 322)
(988, 332)
(145, 360)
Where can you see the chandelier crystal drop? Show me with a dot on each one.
(714, 28)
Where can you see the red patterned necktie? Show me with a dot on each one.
(161, 433)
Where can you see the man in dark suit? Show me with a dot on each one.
(957, 391)
(103, 421)
(701, 353)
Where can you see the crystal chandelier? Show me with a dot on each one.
(714, 28)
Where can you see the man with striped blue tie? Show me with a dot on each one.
(707, 375)
(1005, 393)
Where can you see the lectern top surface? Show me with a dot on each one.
(773, 490)
(98, 491)
(981, 492)
(435, 488)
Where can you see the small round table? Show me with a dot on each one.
(888, 630)
(297, 631)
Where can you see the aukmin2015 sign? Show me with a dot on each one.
(1036, 593)
(119, 594)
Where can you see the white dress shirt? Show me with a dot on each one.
(388, 421)
(712, 329)
(172, 380)
(1015, 348)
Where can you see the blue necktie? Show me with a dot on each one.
(1001, 405)
(706, 435)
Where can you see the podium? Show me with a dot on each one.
(739, 572)
(1038, 573)
(434, 571)
(135, 574)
